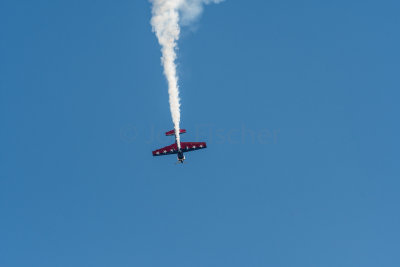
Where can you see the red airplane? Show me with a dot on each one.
(173, 149)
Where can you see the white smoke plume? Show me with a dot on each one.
(167, 17)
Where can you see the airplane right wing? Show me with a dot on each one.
(191, 146)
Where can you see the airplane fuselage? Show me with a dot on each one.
(181, 157)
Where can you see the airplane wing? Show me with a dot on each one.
(191, 146)
(168, 150)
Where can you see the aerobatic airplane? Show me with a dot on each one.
(173, 149)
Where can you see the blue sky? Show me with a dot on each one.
(296, 99)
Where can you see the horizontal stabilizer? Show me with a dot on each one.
(172, 132)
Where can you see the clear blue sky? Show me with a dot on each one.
(298, 101)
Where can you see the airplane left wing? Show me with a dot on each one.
(168, 150)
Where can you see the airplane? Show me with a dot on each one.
(174, 149)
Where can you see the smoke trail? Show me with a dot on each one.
(167, 16)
